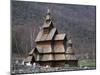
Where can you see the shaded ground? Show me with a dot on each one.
(30, 69)
(19, 68)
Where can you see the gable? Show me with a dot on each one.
(34, 50)
(46, 37)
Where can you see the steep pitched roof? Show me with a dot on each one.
(47, 24)
(60, 36)
(28, 59)
(48, 17)
(45, 49)
(45, 37)
(39, 49)
(32, 51)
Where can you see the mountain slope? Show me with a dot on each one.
(75, 20)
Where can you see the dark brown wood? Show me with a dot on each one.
(51, 47)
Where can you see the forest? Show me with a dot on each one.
(77, 21)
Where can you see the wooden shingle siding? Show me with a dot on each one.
(59, 57)
(60, 37)
(51, 48)
(47, 57)
(59, 47)
(45, 37)
(28, 59)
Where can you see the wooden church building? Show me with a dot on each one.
(52, 48)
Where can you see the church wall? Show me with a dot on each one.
(58, 46)
(72, 63)
(45, 46)
(58, 63)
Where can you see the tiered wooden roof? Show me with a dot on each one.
(45, 37)
(60, 37)
(51, 46)
(49, 53)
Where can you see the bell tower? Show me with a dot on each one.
(48, 25)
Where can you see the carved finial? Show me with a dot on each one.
(48, 17)
(48, 10)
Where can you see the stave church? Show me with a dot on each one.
(52, 48)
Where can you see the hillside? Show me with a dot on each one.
(75, 20)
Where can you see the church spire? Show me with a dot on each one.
(48, 11)
(48, 25)
(48, 16)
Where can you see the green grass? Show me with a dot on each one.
(87, 63)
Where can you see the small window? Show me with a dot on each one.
(46, 30)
